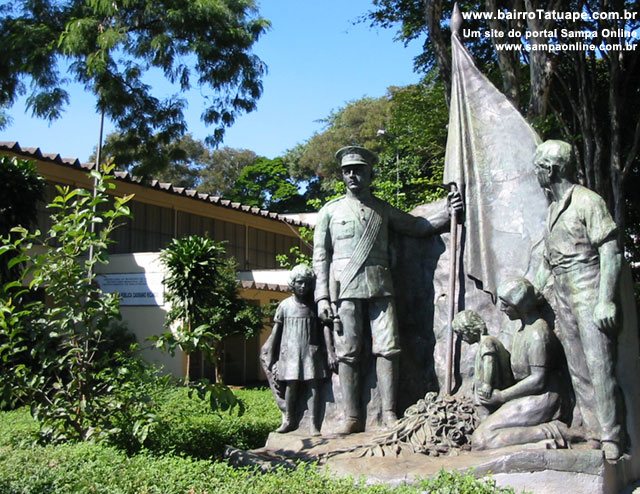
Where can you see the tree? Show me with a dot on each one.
(111, 46)
(296, 255)
(356, 123)
(222, 168)
(407, 128)
(22, 189)
(179, 163)
(64, 357)
(587, 97)
(205, 302)
(413, 145)
(268, 185)
(188, 157)
(187, 162)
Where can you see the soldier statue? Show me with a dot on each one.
(353, 279)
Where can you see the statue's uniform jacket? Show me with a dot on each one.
(340, 225)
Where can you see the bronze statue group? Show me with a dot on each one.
(521, 394)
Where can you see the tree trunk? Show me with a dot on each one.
(508, 61)
(433, 16)
(540, 66)
(615, 153)
(217, 366)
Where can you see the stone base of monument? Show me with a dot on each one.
(530, 468)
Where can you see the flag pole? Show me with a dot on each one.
(453, 265)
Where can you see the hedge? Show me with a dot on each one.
(176, 461)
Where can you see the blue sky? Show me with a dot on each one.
(318, 60)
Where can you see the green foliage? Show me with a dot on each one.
(75, 469)
(22, 189)
(178, 163)
(222, 169)
(458, 483)
(407, 17)
(125, 410)
(407, 128)
(414, 144)
(295, 255)
(187, 162)
(111, 47)
(70, 358)
(179, 459)
(268, 185)
(189, 428)
(82, 468)
(17, 428)
(205, 301)
(356, 123)
(192, 265)
(589, 98)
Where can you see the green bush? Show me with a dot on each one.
(89, 467)
(190, 428)
(22, 188)
(57, 355)
(181, 425)
(203, 292)
(17, 427)
(93, 468)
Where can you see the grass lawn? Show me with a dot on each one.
(181, 458)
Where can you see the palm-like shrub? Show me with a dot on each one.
(205, 301)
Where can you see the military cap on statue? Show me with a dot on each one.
(356, 155)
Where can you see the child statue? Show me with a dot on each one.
(298, 349)
(492, 368)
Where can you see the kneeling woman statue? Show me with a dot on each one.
(527, 411)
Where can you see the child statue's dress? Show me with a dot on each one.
(301, 356)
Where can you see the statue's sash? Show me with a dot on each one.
(361, 251)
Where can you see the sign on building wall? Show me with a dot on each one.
(134, 288)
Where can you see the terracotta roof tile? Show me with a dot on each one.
(247, 284)
(31, 152)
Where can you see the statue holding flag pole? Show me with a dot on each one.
(491, 151)
(501, 241)
(354, 284)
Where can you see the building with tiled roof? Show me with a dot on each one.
(160, 213)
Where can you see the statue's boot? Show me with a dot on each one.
(287, 424)
(289, 407)
(387, 374)
(350, 425)
(612, 451)
(313, 404)
(313, 428)
(351, 399)
(389, 418)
